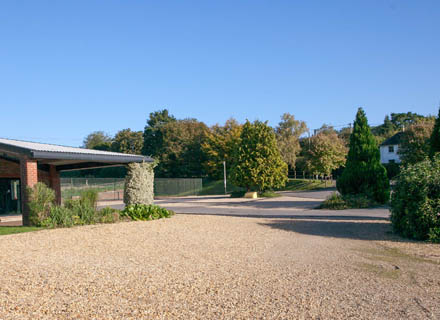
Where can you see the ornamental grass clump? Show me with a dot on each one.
(41, 200)
(415, 202)
(44, 212)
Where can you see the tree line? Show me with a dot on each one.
(190, 148)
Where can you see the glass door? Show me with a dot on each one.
(10, 196)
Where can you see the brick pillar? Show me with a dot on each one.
(55, 184)
(29, 177)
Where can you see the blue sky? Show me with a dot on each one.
(71, 67)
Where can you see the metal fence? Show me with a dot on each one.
(108, 188)
(112, 188)
(177, 187)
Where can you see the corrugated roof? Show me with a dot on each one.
(50, 151)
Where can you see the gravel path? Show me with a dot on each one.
(214, 267)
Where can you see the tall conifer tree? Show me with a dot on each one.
(435, 136)
(363, 173)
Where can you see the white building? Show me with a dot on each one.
(389, 148)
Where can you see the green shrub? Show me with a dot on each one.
(393, 169)
(145, 212)
(337, 202)
(415, 204)
(89, 197)
(238, 194)
(334, 202)
(41, 200)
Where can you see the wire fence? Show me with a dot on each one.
(113, 188)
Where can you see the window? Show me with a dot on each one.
(391, 149)
(392, 161)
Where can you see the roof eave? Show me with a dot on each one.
(89, 157)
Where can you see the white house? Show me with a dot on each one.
(389, 148)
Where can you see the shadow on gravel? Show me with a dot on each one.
(359, 229)
(289, 216)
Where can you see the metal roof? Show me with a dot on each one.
(35, 150)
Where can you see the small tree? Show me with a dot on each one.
(435, 136)
(258, 163)
(363, 173)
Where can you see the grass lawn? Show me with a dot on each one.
(12, 230)
(306, 184)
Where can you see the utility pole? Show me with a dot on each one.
(224, 174)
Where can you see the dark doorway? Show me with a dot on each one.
(10, 196)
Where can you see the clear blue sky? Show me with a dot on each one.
(71, 67)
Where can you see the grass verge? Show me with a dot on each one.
(306, 184)
(12, 230)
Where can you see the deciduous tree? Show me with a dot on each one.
(326, 153)
(288, 132)
(219, 145)
(153, 140)
(259, 165)
(414, 144)
(97, 140)
(127, 141)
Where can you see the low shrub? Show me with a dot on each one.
(415, 203)
(337, 202)
(41, 200)
(238, 194)
(145, 212)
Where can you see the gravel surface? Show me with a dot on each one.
(214, 267)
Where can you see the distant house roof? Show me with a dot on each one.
(61, 155)
(393, 140)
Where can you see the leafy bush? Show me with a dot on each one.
(415, 204)
(41, 200)
(337, 202)
(89, 197)
(146, 212)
